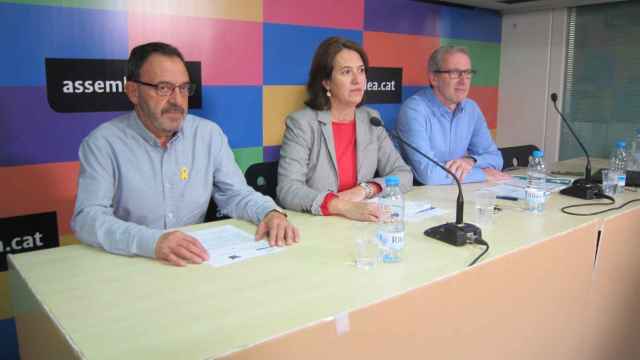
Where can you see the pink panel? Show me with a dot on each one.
(38, 188)
(487, 99)
(230, 51)
(327, 13)
(410, 52)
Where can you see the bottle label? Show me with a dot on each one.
(622, 180)
(390, 240)
(534, 197)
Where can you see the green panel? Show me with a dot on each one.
(602, 91)
(485, 58)
(245, 157)
(88, 4)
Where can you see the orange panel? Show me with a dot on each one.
(487, 99)
(277, 103)
(410, 52)
(39, 188)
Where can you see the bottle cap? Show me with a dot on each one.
(391, 180)
(537, 153)
(621, 144)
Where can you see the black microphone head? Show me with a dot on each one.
(376, 121)
(554, 97)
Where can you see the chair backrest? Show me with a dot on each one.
(213, 213)
(263, 177)
(516, 156)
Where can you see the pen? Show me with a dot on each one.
(263, 248)
(511, 198)
(425, 210)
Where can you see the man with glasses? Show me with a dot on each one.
(441, 122)
(157, 167)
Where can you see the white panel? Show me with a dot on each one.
(524, 74)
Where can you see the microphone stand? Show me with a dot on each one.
(580, 188)
(458, 233)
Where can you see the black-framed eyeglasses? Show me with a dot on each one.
(165, 88)
(457, 74)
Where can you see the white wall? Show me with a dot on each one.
(531, 68)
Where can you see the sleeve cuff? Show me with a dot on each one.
(146, 243)
(324, 207)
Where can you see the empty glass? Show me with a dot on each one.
(485, 206)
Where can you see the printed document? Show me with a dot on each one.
(227, 245)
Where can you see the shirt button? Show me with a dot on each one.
(170, 215)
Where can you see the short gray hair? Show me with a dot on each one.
(437, 56)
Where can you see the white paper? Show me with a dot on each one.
(418, 210)
(227, 245)
(553, 184)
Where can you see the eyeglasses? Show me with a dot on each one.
(457, 74)
(164, 88)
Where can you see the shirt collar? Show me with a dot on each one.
(146, 135)
(441, 108)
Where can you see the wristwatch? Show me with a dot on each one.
(279, 210)
(368, 190)
(472, 158)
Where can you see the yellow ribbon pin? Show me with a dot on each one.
(184, 173)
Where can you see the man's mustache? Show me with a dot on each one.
(173, 109)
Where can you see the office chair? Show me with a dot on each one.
(516, 156)
(263, 177)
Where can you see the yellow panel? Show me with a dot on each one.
(248, 10)
(68, 239)
(5, 301)
(277, 103)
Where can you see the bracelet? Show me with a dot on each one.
(368, 190)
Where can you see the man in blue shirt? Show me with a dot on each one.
(156, 168)
(441, 122)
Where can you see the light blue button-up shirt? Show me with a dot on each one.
(445, 135)
(131, 190)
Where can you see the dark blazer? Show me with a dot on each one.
(308, 169)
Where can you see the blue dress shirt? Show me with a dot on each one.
(445, 135)
(131, 190)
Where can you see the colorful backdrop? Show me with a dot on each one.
(255, 56)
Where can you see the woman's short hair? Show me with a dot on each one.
(322, 68)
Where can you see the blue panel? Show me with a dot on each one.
(388, 113)
(408, 91)
(470, 24)
(237, 110)
(32, 133)
(401, 16)
(288, 51)
(8, 340)
(30, 33)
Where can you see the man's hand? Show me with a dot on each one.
(180, 249)
(280, 231)
(460, 167)
(495, 175)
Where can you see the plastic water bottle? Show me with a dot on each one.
(618, 163)
(535, 192)
(634, 153)
(391, 224)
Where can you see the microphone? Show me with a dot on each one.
(458, 233)
(580, 188)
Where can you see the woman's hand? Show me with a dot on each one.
(355, 210)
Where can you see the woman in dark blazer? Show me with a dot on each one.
(331, 151)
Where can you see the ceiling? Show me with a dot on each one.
(511, 6)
